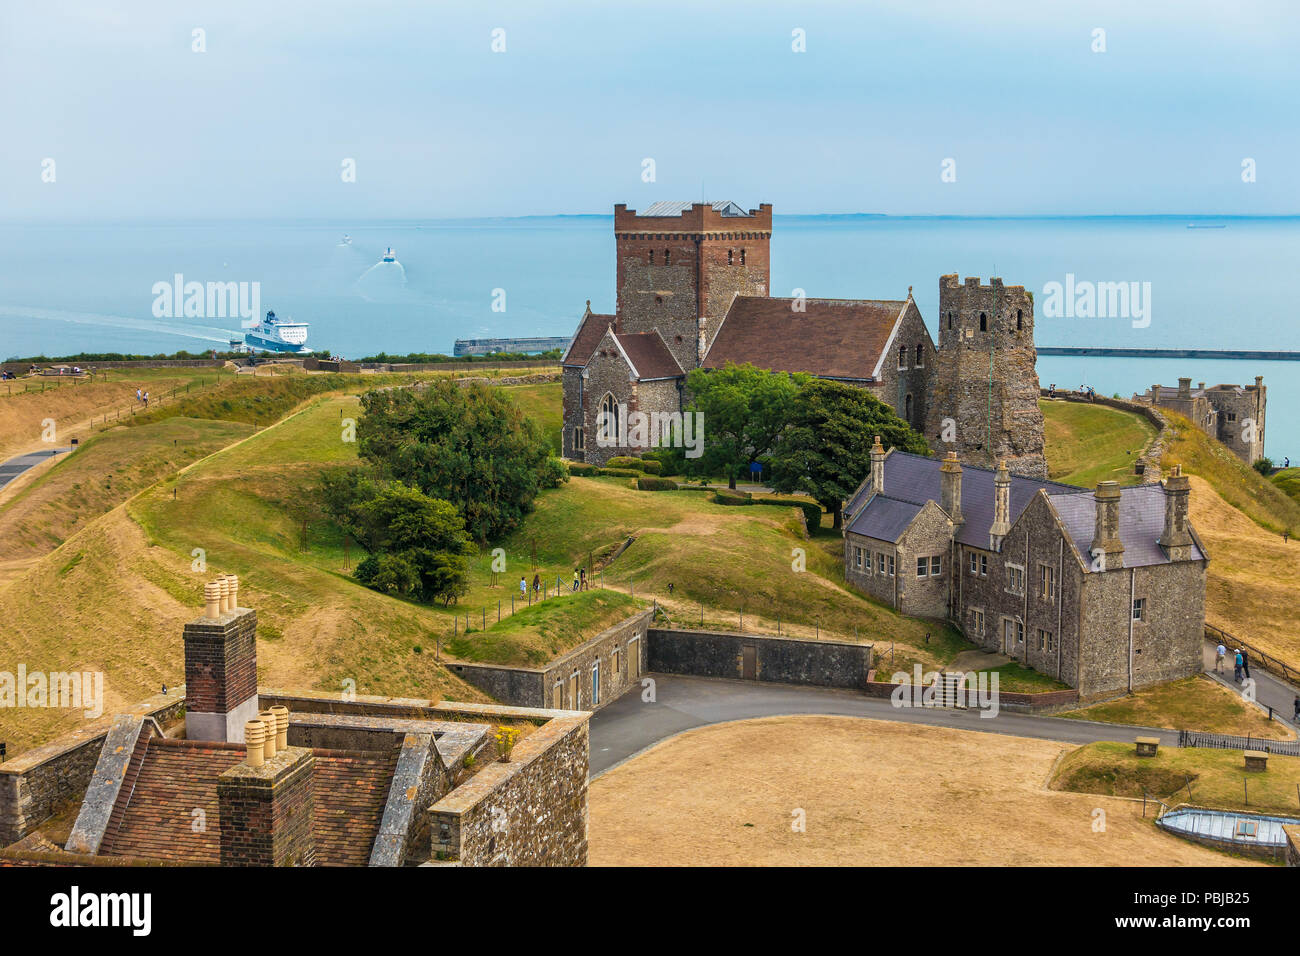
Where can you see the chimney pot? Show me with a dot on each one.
(233, 583)
(268, 718)
(255, 738)
(224, 585)
(281, 727)
(211, 600)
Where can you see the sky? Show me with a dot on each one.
(904, 108)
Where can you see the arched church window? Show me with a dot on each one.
(920, 356)
(609, 414)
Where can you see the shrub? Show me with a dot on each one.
(625, 461)
(648, 483)
(651, 467)
(583, 468)
(618, 473)
(812, 511)
(1264, 466)
(732, 498)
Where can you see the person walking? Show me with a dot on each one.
(1295, 717)
(1245, 664)
(584, 579)
(1236, 666)
(576, 580)
(1219, 654)
(146, 399)
(523, 587)
(537, 586)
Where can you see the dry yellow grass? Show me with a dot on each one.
(874, 793)
(1254, 575)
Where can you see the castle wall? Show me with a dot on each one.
(985, 379)
(901, 374)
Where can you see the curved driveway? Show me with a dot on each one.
(14, 467)
(629, 725)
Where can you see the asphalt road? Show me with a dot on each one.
(629, 725)
(16, 466)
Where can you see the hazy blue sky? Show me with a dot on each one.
(139, 126)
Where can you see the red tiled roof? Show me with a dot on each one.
(832, 338)
(587, 337)
(168, 779)
(351, 790)
(650, 356)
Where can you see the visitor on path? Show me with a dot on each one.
(523, 586)
(1286, 462)
(146, 399)
(1245, 665)
(1236, 666)
(138, 396)
(576, 580)
(1295, 717)
(584, 579)
(1219, 654)
(537, 585)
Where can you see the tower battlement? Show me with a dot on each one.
(671, 218)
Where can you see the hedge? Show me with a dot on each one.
(812, 511)
(648, 483)
(640, 464)
(618, 473)
(582, 468)
(732, 497)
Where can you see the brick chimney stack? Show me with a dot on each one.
(878, 467)
(1184, 388)
(221, 666)
(1177, 539)
(950, 477)
(266, 802)
(1107, 548)
(1001, 526)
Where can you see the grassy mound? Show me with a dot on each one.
(1193, 703)
(1091, 443)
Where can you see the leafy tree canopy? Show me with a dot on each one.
(825, 450)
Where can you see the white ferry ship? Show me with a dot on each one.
(274, 334)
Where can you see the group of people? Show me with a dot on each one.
(142, 397)
(1240, 662)
(580, 581)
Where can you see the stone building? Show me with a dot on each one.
(1234, 414)
(1102, 589)
(693, 291)
(247, 776)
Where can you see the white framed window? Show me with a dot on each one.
(977, 621)
(984, 565)
(974, 563)
(936, 565)
(880, 562)
(891, 564)
(1047, 582)
(857, 558)
(1139, 609)
(922, 567)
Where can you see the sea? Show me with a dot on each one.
(1194, 282)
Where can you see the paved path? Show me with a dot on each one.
(627, 726)
(1270, 690)
(14, 467)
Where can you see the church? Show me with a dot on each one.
(693, 290)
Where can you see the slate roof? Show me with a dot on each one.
(670, 207)
(832, 338)
(1141, 522)
(915, 479)
(585, 340)
(649, 355)
(885, 518)
(168, 779)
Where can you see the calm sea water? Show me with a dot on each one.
(70, 288)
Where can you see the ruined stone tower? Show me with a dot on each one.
(984, 395)
(680, 265)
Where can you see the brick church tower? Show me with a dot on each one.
(984, 400)
(680, 265)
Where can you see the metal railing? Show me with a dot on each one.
(1196, 738)
(1267, 661)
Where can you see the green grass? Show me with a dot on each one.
(544, 405)
(537, 634)
(1288, 481)
(1088, 443)
(1218, 777)
(1014, 677)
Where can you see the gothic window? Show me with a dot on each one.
(579, 439)
(984, 323)
(920, 356)
(609, 414)
(902, 356)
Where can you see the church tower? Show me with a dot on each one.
(680, 265)
(984, 399)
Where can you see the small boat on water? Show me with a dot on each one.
(390, 255)
(346, 240)
(1207, 225)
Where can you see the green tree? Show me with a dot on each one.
(745, 409)
(825, 450)
(417, 546)
(469, 445)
